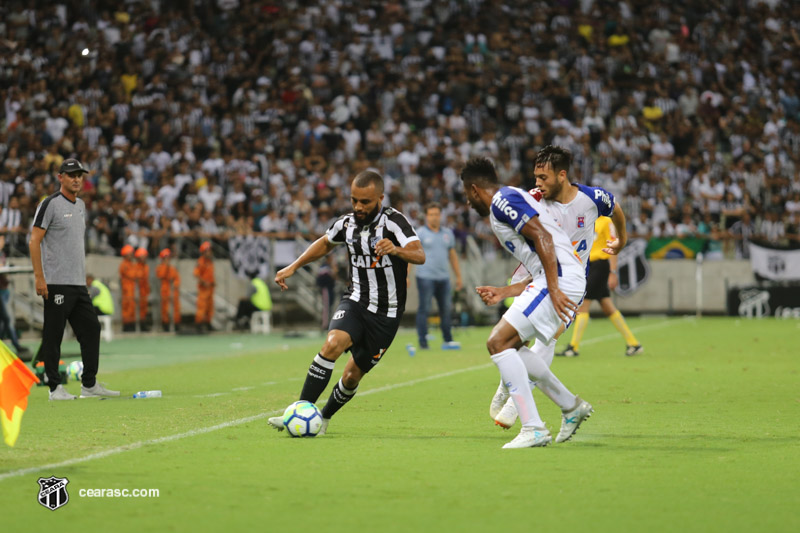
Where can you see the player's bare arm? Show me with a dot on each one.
(616, 245)
(36, 259)
(410, 253)
(317, 249)
(494, 295)
(545, 248)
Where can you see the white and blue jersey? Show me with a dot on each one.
(576, 219)
(511, 209)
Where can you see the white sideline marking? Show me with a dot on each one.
(245, 420)
(209, 429)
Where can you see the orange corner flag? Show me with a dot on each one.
(15, 385)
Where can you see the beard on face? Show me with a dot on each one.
(553, 191)
(479, 208)
(365, 218)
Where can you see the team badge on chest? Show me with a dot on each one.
(581, 222)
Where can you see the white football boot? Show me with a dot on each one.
(324, 428)
(530, 437)
(276, 422)
(498, 400)
(571, 420)
(507, 416)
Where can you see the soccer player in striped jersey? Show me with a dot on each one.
(380, 244)
(546, 306)
(576, 208)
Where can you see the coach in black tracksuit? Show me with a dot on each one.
(59, 266)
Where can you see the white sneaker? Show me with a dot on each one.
(97, 391)
(507, 416)
(530, 437)
(276, 422)
(499, 400)
(61, 394)
(571, 420)
(324, 428)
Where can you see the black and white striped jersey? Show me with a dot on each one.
(377, 283)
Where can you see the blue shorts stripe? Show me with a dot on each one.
(536, 301)
(571, 320)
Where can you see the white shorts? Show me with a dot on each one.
(532, 314)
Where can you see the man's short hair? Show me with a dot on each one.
(367, 178)
(558, 157)
(433, 205)
(480, 171)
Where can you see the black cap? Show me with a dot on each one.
(72, 165)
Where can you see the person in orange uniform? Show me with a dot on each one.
(204, 272)
(128, 276)
(143, 281)
(170, 289)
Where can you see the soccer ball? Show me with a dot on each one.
(302, 419)
(75, 370)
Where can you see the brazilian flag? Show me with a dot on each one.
(671, 248)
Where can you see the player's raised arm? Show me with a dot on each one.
(317, 249)
(543, 242)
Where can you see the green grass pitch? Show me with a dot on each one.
(700, 433)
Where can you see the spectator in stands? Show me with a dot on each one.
(742, 232)
(154, 123)
(772, 228)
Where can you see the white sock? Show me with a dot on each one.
(546, 351)
(547, 382)
(515, 378)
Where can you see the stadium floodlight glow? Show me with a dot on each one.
(85, 52)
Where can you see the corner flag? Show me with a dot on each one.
(15, 384)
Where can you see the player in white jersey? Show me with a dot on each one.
(576, 208)
(546, 306)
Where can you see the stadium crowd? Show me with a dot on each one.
(203, 119)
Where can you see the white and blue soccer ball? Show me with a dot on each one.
(75, 370)
(302, 419)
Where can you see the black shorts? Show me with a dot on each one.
(597, 282)
(371, 334)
